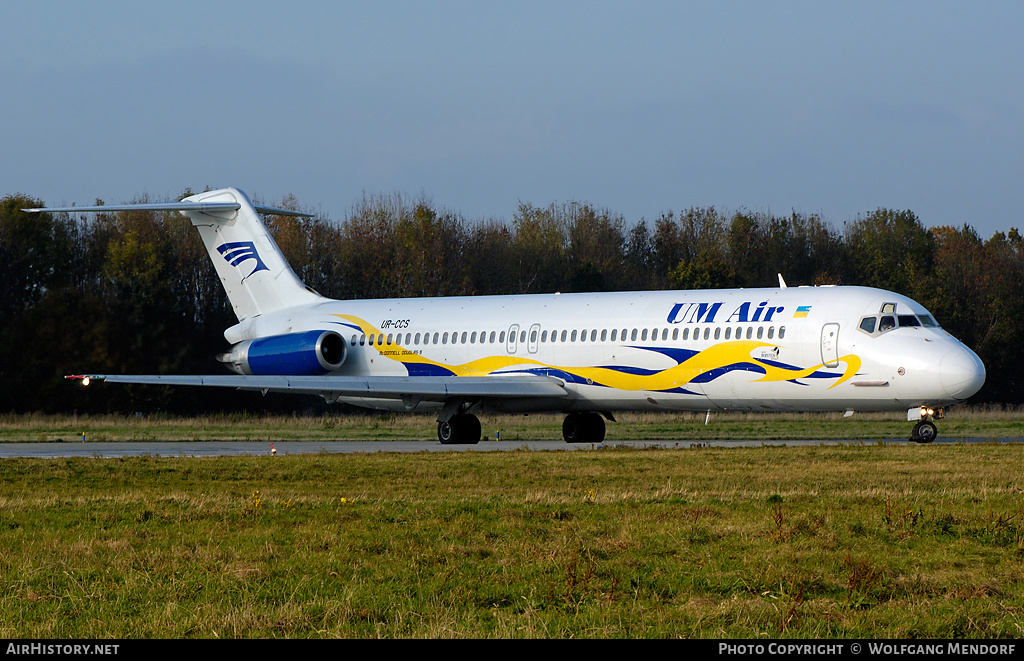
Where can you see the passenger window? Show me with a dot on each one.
(593, 335)
(750, 331)
(686, 333)
(615, 334)
(675, 334)
(887, 323)
(632, 336)
(643, 335)
(718, 332)
(572, 338)
(867, 324)
(782, 332)
(760, 332)
(354, 339)
(444, 339)
(707, 333)
(604, 335)
(771, 332)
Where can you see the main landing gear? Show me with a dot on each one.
(460, 429)
(924, 431)
(587, 427)
(464, 429)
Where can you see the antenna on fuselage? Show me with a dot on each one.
(782, 283)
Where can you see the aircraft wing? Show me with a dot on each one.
(426, 388)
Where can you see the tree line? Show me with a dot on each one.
(134, 291)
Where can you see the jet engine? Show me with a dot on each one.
(295, 354)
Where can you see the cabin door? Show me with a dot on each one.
(513, 339)
(830, 345)
(534, 338)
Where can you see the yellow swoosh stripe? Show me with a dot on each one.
(714, 357)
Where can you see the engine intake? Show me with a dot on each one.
(296, 354)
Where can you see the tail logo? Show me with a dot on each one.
(240, 251)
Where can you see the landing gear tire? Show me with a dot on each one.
(583, 428)
(462, 429)
(924, 432)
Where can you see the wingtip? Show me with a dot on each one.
(86, 379)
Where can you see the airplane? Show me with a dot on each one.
(825, 348)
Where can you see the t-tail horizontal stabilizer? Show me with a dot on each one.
(202, 207)
(255, 275)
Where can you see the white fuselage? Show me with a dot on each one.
(795, 348)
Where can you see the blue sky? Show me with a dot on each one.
(637, 107)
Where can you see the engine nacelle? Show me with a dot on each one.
(295, 354)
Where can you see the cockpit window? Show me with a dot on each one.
(886, 322)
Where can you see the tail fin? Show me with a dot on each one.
(255, 274)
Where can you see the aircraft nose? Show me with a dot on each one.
(961, 372)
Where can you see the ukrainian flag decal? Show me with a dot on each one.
(802, 311)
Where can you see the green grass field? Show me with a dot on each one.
(964, 422)
(858, 540)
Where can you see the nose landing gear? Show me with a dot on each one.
(924, 431)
